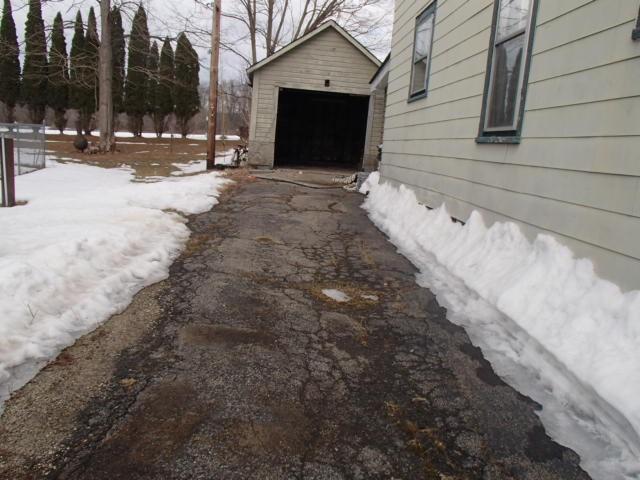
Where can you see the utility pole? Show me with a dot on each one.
(213, 86)
(105, 73)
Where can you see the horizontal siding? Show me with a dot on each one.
(576, 172)
(328, 55)
(377, 125)
(604, 192)
(610, 264)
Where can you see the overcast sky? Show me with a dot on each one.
(169, 17)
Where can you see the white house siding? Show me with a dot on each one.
(576, 172)
(375, 127)
(326, 56)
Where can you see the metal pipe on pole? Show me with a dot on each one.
(213, 86)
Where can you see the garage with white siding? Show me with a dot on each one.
(312, 104)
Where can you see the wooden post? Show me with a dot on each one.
(8, 174)
(213, 86)
(105, 73)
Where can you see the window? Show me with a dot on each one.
(636, 32)
(507, 68)
(422, 52)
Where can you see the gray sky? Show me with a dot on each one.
(167, 17)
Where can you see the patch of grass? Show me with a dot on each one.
(196, 244)
(266, 240)
(148, 157)
(424, 442)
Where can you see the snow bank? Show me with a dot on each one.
(87, 240)
(548, 324)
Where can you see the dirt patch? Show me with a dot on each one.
(196, 243)
(148, 157)
(345, 326)
(286, 432)
(202, 335)
(424, 442)
(267, 240)
(165, 418)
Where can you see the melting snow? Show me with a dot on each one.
(87, 240)
(336, 295)
(547, 323)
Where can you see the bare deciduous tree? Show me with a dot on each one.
(254, 29)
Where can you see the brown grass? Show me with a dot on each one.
(148, 157)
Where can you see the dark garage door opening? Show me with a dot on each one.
(320, 129)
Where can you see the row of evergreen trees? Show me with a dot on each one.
(156, 82)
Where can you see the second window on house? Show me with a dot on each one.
(511, 42)
(422, 52)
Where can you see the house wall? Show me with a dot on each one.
(576, 172)
(375, 125)
(326, 56)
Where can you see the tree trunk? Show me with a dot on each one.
(10, 114)
(60, 121)
(158, 124)
(105, 112)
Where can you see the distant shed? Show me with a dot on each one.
(312, 104)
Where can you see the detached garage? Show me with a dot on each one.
(312, 104)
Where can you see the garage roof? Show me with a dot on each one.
(304, 38)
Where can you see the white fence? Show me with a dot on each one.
(22, 150)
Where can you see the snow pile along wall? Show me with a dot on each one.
(548, 324)
(87, 240)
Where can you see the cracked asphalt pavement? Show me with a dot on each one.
(248, 371)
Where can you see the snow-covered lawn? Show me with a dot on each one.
(86, 241)
(549, 326)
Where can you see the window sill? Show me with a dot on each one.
(416, 97)
(498, 139)
(635, 35)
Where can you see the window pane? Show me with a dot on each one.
(513, 16)
(423, 37)
(418, 82)
(507, 62)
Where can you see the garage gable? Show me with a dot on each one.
(336, 32)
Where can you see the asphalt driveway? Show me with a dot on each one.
(239, 366)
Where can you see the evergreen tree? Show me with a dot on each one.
(58, 74)
(187, 68)
(153, 107)
(77, 88)
(90, 73)
(135, 97)
(9, 61)
(118, 52)
(35, 71)
(166, 82)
